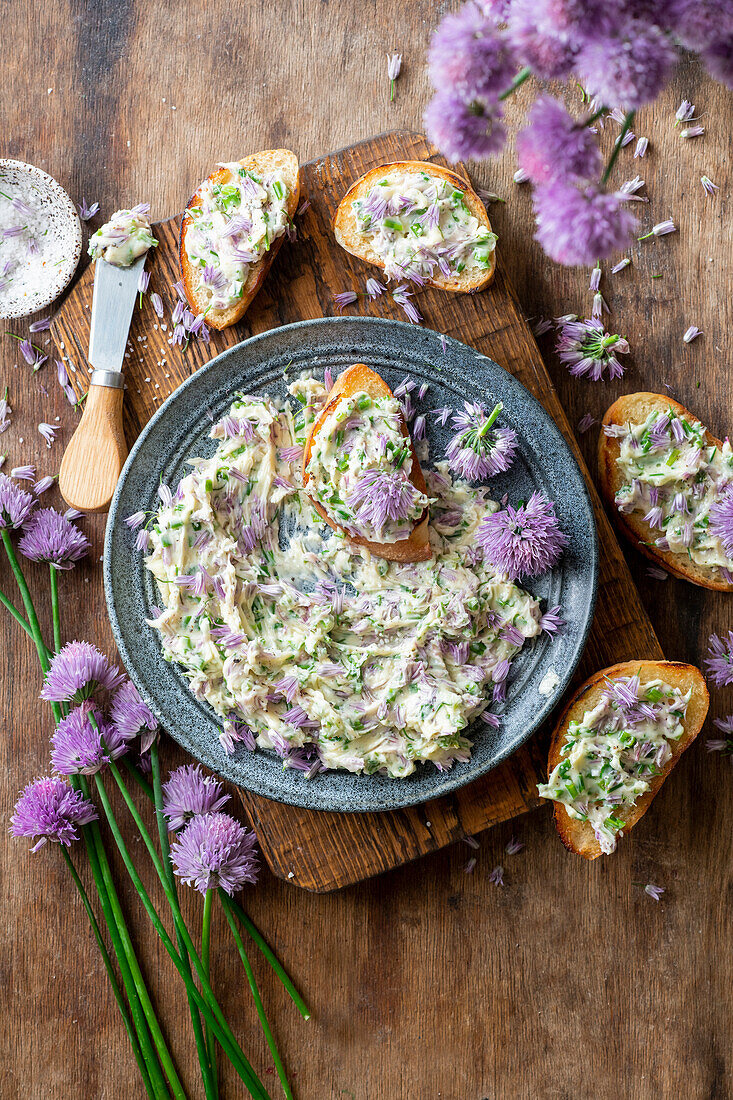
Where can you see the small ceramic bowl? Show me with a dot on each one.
(40, 240)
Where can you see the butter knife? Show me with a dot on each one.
(96, 453)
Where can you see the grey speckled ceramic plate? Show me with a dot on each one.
(180, 429)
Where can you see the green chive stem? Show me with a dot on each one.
(201, 1048)
(224, 898)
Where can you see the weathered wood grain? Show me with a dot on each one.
(322, 851)
(426, 983)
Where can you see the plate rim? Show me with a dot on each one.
(453, 780)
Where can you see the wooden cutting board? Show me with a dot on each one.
(325, 851)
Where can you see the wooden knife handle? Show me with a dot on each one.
(93, 461)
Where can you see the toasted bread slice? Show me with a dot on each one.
(348, 235)
(578, 836)
(272, 160)
(635, 408)
(362, 379)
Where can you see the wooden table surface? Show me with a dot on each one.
(425, 983)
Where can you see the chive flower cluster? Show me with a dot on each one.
(621, 54)
(212, 849)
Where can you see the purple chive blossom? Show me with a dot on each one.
(578, 226)
(5, 412)
(143, 281)
(27, 351)
(555, 146)
(586, 349)
(708, 185)
(721, 520)
(130, 716)
(654, 892)
(630, 187)
(347, 298)
(630, 65)
(24, 473)
(49, 537)
(49, 809)
(215, 850)
(374, 288)
(81, 746)
(189, 793)
(157, 303)
(513, 846)
(76, 672)
(13, 231)
(545, 35)
(691, 334)
(43, 484)
(656, 574)
(660, 229)
(165, 494)
(641, 147)
(620, 265)
(40, 326)
(478, 450)
(394, 66)
(135, 520)
(87, 212)
(464, 130)
(692, 132)
(722, 744)
(719, 661)
(586, 423)
(542, 326)
(552, 620)
(468, 56)
(523, 541)
(15, 503)
(401, 296)
(379, 498)
(595, 279)
(497, 876)
(684, 112)
(48, 431)
(442, 414)
(418, 427)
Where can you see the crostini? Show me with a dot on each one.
(418, 221)
(232, 229)
(361, 470)
(616, 742)
(663, 475)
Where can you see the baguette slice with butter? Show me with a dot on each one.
(634, 408)
(260, 164)
(578, 836)
(349, 236)
(356, 379)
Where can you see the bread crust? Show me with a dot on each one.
(357, 379)
(578, 836)
(350, 238)
(635, 408)
(270, 160)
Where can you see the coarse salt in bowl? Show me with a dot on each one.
(40, 239)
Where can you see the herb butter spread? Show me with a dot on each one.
(420, 227)
(674, 478)
(329, 656)
(611, 756)
(232, 226)
(124, 237)
(359, 469)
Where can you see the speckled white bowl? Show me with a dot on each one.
(27, 295)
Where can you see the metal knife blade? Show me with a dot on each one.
(115, 290)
